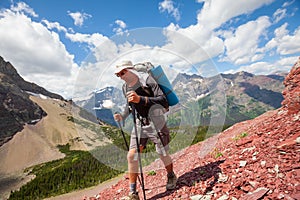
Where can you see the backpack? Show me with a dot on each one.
(160, 77)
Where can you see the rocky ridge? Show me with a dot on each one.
(8, 69)
(16, 108)
(254, 159)
(247, 96)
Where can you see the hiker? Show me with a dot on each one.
(149, 101)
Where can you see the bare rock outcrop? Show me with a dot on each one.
(291, 92)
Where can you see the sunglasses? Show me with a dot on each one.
(121, 73)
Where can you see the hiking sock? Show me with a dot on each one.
(132, 187)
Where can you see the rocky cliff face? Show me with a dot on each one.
(252, 160)
(291, 92)
(16, 109)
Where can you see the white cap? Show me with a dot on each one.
(127, 64)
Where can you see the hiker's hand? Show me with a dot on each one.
(133, 97)
(118, 117)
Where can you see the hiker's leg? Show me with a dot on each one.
(172, 178)
(167, 160)
(132, 159)
(132, 166)
(162, 148)
(164, 136)
(161, 140)
(133, 169)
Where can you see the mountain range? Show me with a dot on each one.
(246, 95)
(34, 121)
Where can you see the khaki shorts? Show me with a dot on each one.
(148, 132)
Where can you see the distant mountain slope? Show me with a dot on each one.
(100, 103)
(16, 108)
(57, 128)
(255, 159)
(247, 95)
(37, 143)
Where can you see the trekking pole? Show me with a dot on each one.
(127, 146)
(138, 150)
(120, 127)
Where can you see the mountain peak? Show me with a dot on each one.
(238, 75)
(17, 108)
(244, 73)
(7, 68)
(184, 77)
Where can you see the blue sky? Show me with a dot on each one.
(71, 47)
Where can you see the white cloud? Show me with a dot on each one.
(37, 51)
(201, 39)
(199, 49)
(289, 44)
(216, 12)
(279, 15)
(213, 14)
(59, 84)
(121, 25)
(168, 5)
(34, 50)
(93, 40)
(78, 17)
(98, 73)
(22, 7)
(281, 31)
(54, 25)
(286, 4)
(255, 68)
(284, 64)
(242, 46)
(283, 42)
(287, 62)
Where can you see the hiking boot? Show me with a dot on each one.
(132, 196)
(171, 184)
